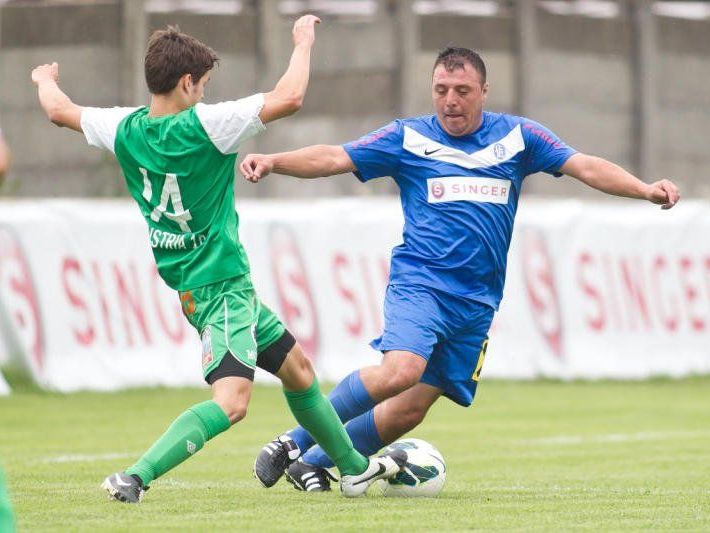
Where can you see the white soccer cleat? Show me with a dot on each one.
(384, 466)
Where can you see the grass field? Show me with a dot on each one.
(528, 456)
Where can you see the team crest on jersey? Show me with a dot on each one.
(206, 347)
(437, 189)
(499, 151)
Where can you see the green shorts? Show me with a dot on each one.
(230, 319)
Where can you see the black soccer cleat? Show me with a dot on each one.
(308, 477)
(124, 488)
(274, 458)
(384, 466)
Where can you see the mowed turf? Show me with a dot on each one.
(528, 456)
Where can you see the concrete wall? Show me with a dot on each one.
(581, 87)
(684, 104)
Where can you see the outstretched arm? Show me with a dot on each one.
(58, 106)
(311, 162)
(610, 178)
(287, 96)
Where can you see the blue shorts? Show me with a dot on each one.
(449, 331)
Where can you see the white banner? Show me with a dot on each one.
(617, 290)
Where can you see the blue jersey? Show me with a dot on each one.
(459, 196)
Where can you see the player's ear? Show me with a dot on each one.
(186, 83)
(484, 92)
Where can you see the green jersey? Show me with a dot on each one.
(180, 170)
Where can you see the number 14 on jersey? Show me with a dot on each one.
(171, 192)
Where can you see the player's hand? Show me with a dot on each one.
(304, 30)
(46, 72)
(256, 166)
(664, 193)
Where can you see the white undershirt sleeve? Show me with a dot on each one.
(101, 123)
(229, 124)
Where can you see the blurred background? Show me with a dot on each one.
(623, 79)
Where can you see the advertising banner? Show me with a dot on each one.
(612, 290)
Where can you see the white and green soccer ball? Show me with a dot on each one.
(424, 474)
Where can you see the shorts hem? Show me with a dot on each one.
(456, 398)
(220, 369)
(402, 348)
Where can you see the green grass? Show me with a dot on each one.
(528, 456)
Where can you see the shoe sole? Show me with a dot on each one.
(290, 480)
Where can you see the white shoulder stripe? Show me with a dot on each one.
(493, 154)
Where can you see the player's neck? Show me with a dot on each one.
(162, 105)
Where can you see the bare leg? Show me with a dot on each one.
(398, 371)
(296, 372)
(232, 394)
(402, 413)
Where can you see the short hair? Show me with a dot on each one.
(452, 58)
(171, 54)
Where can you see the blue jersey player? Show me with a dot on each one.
(460, 174)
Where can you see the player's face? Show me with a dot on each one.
(458, 98)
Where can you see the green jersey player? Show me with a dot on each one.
(178, 157)
(6, 518)
(7, 521)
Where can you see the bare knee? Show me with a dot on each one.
(401, 377)
(236, 412)
(232, 394)
(235, 409)
(404, 378)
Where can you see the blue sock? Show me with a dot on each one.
(363, 433)
(349, 398)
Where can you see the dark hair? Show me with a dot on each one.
(453, 58)
(171, 54)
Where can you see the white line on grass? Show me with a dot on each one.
(88, 458)
(206, 484)
(615, 437)
(553, 489)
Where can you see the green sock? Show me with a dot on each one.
(184, 438)
(316, 415)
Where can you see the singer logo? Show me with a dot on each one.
(18, 301)
(468, 189)
(294, 291)
(541, 291)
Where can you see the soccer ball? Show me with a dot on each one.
(423, 475)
